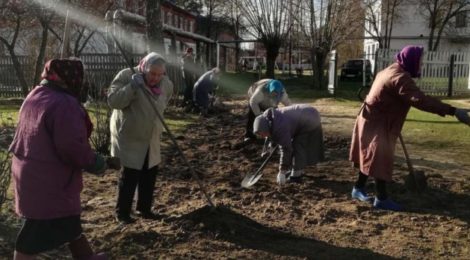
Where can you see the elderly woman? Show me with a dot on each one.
(50, 149)
(190, 75)
(381, 119)
(263, 94)
(136, 132)
(204, 87)
(297, 130)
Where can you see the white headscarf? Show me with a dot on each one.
(149, 60)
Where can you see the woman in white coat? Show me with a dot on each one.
(136, 132)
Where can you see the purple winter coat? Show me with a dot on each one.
(290, 122)
(50, 149)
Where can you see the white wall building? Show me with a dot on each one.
(411, 27)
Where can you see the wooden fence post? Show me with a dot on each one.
(451, 74)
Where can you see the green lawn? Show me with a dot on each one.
(232, 84)
(435, 133)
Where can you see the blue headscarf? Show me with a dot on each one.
(275, 86)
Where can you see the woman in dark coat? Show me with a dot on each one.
(297, 130)
(381, 119)
(50, 150)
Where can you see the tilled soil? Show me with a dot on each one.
(314, 219)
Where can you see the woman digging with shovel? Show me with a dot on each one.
(381, 118)
(263, 94)
(298, 132)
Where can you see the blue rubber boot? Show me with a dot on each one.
(360, 194)
(387, 204)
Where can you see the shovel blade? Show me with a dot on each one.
(250, 179)
(416, 181)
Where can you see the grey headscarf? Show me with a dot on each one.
(261, 124)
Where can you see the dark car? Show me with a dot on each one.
(353, 69)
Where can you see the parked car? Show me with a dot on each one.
(353, 69)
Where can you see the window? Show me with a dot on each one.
(461, 20)
(169, 18)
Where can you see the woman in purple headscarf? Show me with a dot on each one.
(381, 119)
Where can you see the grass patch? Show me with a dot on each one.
(431, 132)
(178, 125)
(237, 84)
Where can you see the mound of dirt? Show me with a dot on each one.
(314, 219)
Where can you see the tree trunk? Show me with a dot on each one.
(237, 57)
(431, 36)
(155, 27)
(42, 53)
(319, 57)
(272, 51)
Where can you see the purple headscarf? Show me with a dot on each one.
(409, 58)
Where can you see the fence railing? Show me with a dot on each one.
(100, 71)
(443, 73)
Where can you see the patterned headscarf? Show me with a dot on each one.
(68, 70)
(145, 64)
(68, 73)
(409, 59)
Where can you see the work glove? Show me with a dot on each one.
(113, 162)
(282, 177)
(98, 167)
(462, 115)
(137, 80)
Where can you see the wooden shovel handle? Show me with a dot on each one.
(407, 157)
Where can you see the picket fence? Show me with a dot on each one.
(443, 73)
(100, 71)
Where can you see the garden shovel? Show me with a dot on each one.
(415, 181)
(251, 179)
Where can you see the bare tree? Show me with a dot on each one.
(235, 16)
(81, 35)
(326, 25)
(44, 16)
(267, 21)
(12, 17)
(20, 16)
(213, 9)
(438, 14)
(380, 16)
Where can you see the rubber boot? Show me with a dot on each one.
(80, 248)
(360, 194)
(387, 204)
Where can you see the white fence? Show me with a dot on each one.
(443, 73)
